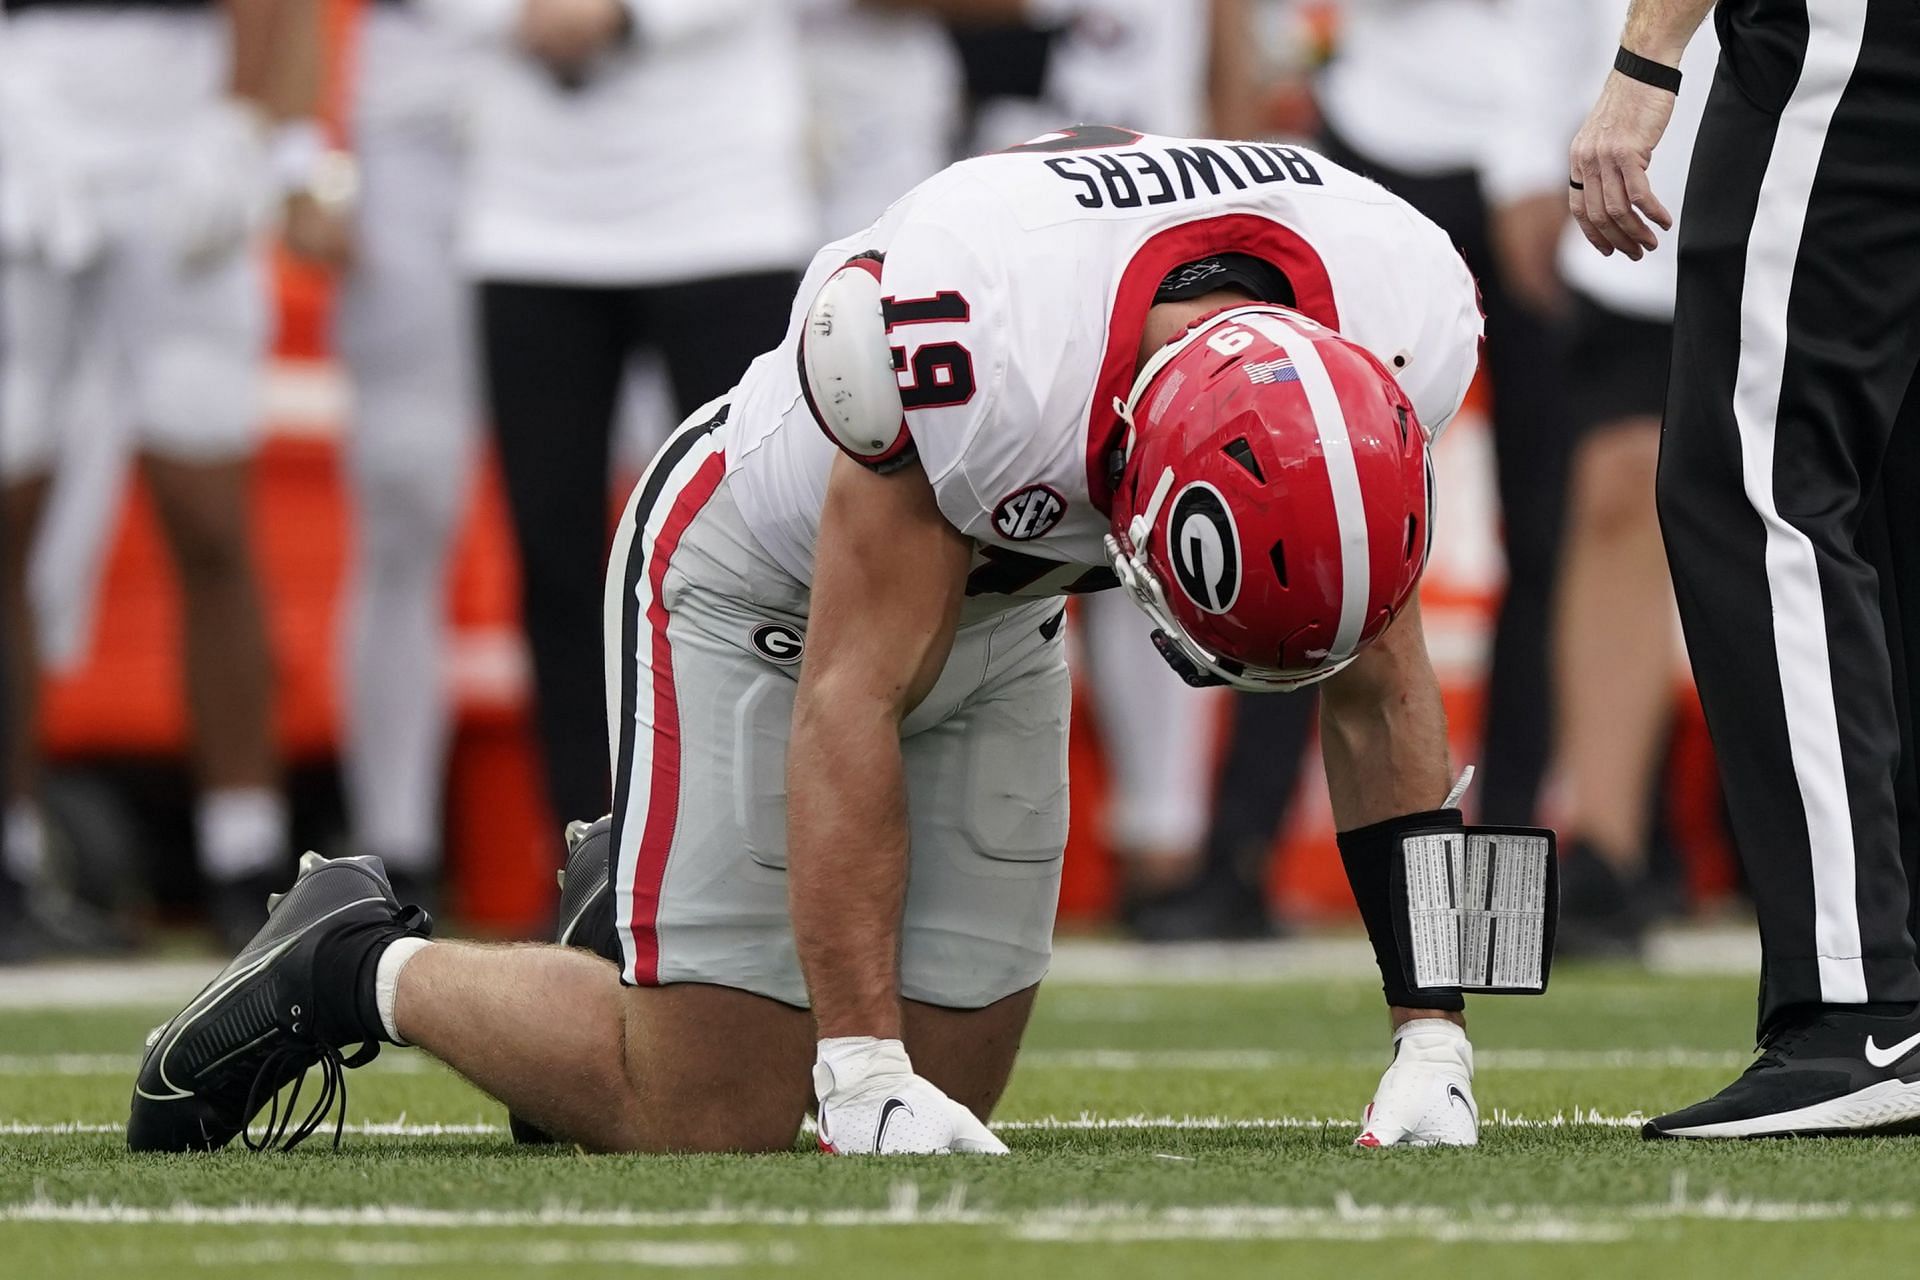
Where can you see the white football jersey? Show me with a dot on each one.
(1016, 286)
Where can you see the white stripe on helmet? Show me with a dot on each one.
(1349, 509)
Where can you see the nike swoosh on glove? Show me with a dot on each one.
(1426, 1097)
(871, 1103)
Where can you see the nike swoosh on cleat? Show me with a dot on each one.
(218, 988)
(1887, 1057)
(566, 934)
(886, 1114)
(1454, 1091)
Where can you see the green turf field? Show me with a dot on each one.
(1160, 1127)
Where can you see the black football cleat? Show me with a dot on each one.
(1832, 1073)
(586, 917)
(296, 996)
(237, 908)
(586, 890)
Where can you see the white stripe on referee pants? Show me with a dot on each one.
(1793, 577)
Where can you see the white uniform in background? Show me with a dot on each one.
(1405, 61)
(404, 328)
(133, 191)
(1559, 50)
(627, 179)
(130, 198)
(1018, 286)
(1142, 64)
(885, 91)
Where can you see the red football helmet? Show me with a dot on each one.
(1275, 499)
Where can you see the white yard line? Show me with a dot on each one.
(1342, 1218)
(1076, 961)
(1709, 950)
(1123, 1060)
(104, 984)
(383, 1254)
(1492, 1120)
(1097, 1060)
(403, 1128)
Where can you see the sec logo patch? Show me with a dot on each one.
(778, 643)
(1029, 513)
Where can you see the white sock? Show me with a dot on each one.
(1430, 1026)
(242, 830)
(386, 980)
(25, 841)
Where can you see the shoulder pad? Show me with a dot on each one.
(846, 369)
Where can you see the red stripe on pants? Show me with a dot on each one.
(663, 794)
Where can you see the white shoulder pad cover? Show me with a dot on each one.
(846, 369)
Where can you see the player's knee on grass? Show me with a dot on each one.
(712, 1069)
(968, 1054)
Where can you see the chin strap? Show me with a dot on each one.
(1192, 661)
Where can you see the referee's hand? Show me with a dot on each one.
(1607, 188)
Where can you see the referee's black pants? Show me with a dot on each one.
(1789, 483)
(556, 355)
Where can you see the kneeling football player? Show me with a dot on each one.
(1204, 373)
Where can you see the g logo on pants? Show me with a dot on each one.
(778, 643)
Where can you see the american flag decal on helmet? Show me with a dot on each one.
(1272, 371)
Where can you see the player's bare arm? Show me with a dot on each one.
(1383, 736)
(891, 573)
(1608, 192)
(1383, 730)
(320, 182)
(889, 578)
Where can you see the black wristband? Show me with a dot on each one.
(1646, 70)
(1368, 853)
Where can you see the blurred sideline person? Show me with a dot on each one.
(884, 86)
(403, 326)
(637, 180)
(1170, 67)
(1615, 640)
(1407, 101)
(139, 164)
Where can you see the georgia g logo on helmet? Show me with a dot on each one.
(1203, 546)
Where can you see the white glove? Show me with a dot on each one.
(871, 1103)
(223, 187)
(1426, 1097)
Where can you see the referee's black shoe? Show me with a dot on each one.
(1833, 1072)
(586, 917)
(296, 996)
